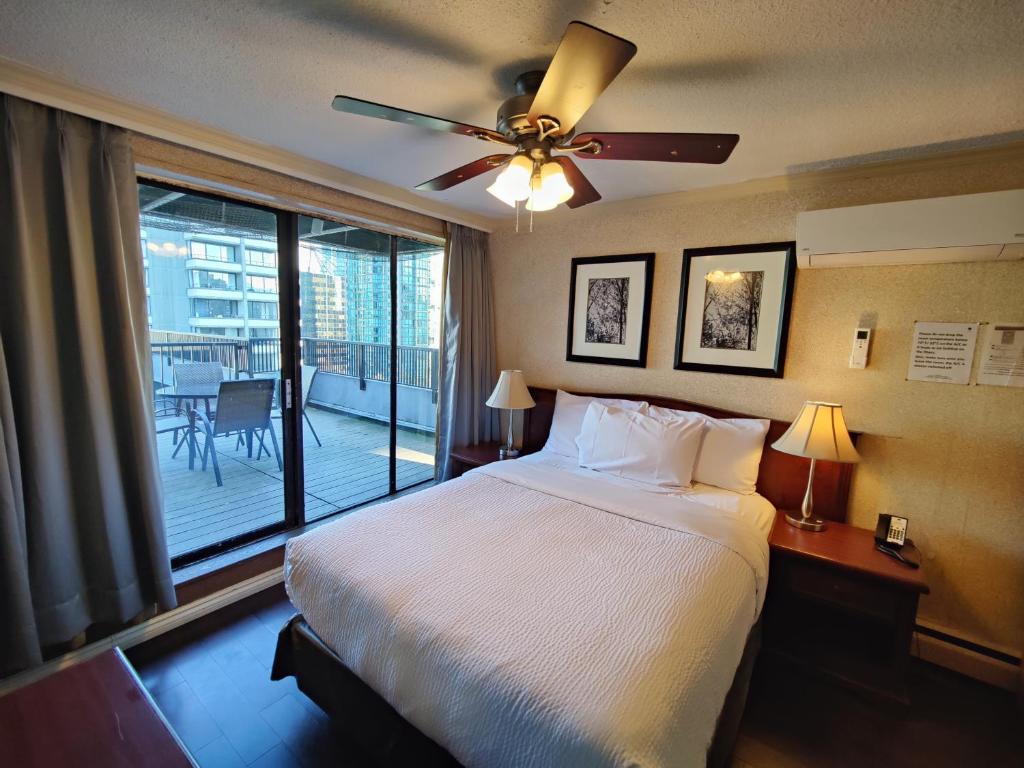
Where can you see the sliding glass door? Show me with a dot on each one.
(418, 300)
(295, 365)
(345, 320)
(214, 307)
(369, 307)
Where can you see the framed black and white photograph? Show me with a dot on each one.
(610, 309)
(734, 304)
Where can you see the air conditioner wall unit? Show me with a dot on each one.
(983, 227)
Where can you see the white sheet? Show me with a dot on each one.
(529, 615)
(753, 508)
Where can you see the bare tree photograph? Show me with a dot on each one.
(610, 309)
(607, 305)
(732, 306)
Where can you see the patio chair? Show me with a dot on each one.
(242, 407)
(168, 418)
(198, 373)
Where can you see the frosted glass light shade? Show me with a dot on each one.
(550, 189)
(511, 392)
(513, 183)
(819, 432)
(554, 183)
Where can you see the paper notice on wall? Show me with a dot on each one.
(942, 352)
(1002, 355)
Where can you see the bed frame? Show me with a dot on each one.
(367, 721)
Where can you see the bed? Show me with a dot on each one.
(535, 613)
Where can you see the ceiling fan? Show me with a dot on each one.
(539, 123)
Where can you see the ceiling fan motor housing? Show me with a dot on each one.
(512, 122)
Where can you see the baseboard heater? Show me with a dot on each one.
(995, 666)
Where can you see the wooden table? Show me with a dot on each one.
(839, 606)
(467, 457)
(96, 712)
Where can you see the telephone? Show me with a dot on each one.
(891, 535)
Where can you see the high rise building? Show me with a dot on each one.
(368, 298)
(322, 299)
(211, 284)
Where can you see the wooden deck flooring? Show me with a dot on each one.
(350, 468)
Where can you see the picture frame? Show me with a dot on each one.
(736, 318)
(610, 309)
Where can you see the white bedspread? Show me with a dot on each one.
(525, 615)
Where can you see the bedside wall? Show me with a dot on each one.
(950, 458)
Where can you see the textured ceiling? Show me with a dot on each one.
(806, 83)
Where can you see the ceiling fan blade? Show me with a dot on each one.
(662, 147)
(583, 191)
(586, 62)
(354, 106)
(465, 173)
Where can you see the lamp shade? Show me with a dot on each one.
(819, 432)
(511, 392)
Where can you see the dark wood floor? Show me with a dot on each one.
(211, 679)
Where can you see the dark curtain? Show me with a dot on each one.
(80, 500)
(468, 360)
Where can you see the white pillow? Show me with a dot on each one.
(568, 419)
(633, 445)
(730, 455)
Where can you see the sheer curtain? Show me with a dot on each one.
(80, 500)
(468, 366)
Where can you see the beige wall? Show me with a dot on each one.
(951, 458)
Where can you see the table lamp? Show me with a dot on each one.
(511, 394)
(819, 432)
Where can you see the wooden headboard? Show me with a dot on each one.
(781, 478)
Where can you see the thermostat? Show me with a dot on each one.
(861, 344)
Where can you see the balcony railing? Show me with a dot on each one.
(417, 366)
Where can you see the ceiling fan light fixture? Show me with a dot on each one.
(554, 183)
(513, 183)
(499, 191)
(550, 188)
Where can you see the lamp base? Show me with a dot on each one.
(507, 453)
(806, 524)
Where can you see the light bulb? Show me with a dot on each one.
(554, 183)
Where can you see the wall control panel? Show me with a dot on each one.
(861, 345)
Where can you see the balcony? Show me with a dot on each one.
(213, 265)
(262, 296)
(231, 294)
(348, 405)
(259, 269)
(216, 322)
(350, 468)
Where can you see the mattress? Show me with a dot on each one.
(530, 614)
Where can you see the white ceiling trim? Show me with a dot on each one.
(44, 88)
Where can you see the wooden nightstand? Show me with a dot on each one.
(467, 457)
(840, 607)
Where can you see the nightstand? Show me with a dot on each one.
(467, 457)
(838, 606)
